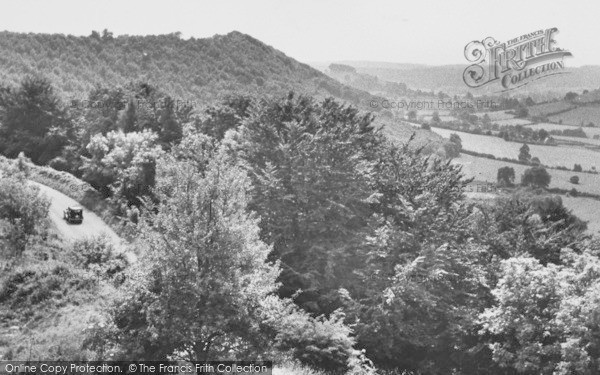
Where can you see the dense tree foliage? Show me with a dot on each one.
(292, 226)
(506, 176)
(23, 211)
(536, 177)
(33, 120)
(196, 70)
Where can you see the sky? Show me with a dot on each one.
(421, 31)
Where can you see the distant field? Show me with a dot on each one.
(512, 122)
(590, 132)
(429, 112)
(496, 116)
(586, 209)
(550, 126)
(483, 169)
(549, 108)
(579, 116)
(446, 118)
(589, 141)
(552, 156)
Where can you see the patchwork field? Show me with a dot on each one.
(551, 126)
(512, 122)
(579, 116)
(590, 132)
(549, 108)
(483, 169)
(446, 118)
(496, 115)
(589, 141)
(548, 155)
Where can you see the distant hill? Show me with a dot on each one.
(193, 69)
(448, 78)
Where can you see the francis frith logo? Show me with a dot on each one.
(516, 62)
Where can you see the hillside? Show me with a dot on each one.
(448, 78)
(194, 69)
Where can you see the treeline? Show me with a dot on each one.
(195, 69)
(291, 225)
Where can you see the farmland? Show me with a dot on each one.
(512, 121)
(590, 132)
(579, 116)
(589, 141)
(549, 108)
(483, 169)
(549, 155)
(496, 115)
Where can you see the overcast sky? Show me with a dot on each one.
(421, 31)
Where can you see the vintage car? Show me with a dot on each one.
(73, 215)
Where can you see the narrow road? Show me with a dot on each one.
(91, 226)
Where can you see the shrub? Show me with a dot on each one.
(98, 255)
(574, 179)
(28, 288)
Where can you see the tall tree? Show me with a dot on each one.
(33, 120)
(309, 164)
(524, 154)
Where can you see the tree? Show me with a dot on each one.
(203, 287)
(577, 168)
(526, 223)
(506, 176)
(536, 176)
(170, 130)
(545, 318)
(522, 112)
(128, 118)
(455, 138)
(309, 164)
(22, 208)
(412, 115)
(202, 247)
(574, 180)
(524, 155)
(535, 161)
(523, 336)
(33, 120)
(570, 96)
(529, 102)
(413, 249)
(122, 164)
(486, 120)
(436, 117)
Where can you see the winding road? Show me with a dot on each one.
(91, 226)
